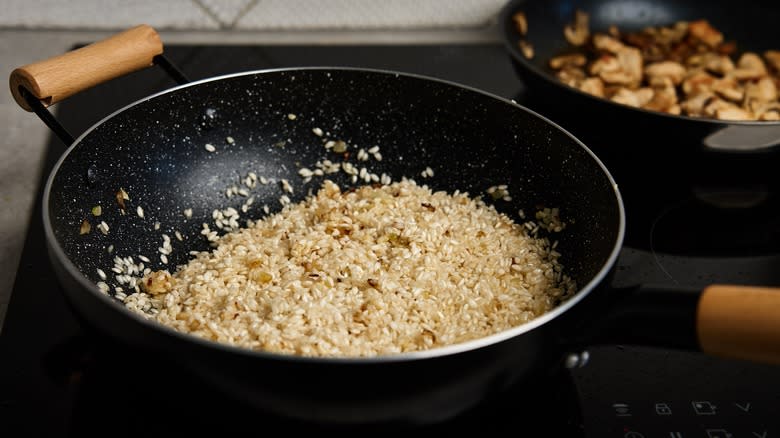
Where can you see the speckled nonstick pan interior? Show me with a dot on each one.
(155, 151)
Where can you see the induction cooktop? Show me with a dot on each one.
(59, 379)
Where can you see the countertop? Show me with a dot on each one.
(25, 136)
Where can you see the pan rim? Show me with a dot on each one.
(507, 30)
(464, 347)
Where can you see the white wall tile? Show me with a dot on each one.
(249, 14)
(369, 14)
(102, 14)
(227, 12)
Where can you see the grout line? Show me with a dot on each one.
(243, 12)
(208, 12)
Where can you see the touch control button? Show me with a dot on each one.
(703, 408)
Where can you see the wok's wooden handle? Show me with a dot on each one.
(740, 322)
(55, 79)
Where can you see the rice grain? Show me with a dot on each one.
(377, 270)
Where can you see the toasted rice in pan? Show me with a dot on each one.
(373, 271)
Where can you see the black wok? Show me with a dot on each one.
(612, 128)
(154, 150)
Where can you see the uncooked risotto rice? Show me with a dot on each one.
(373, 271)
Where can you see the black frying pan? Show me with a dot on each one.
(638, 132)
(154, 150)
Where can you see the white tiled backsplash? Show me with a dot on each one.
(250, 14)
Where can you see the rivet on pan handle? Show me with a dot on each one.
(58, 78)
(740, 322)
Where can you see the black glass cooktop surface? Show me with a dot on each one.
(686, 228)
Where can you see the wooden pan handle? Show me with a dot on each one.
(740, 322)
(55, 79)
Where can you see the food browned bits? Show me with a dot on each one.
(521, 24)
(685, 68)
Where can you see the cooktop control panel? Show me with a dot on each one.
(689, 418)
(629, 392)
